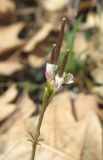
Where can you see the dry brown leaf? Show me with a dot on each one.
(64, 137)
(15, 141)
(64, 134)
(6, 110)
(8, 37)
(98, 90)
(56, 111)
(97, 55)
(94, 20)
(26, 105)
(93, 141)
(38, 37)
(97, 75)
(36, 61)
(9, 95)
(61, 131)
(24, 109)
(87, 4)
(7, 68)
(52, 5)
(7, 6)
(90, 145)
(91, 138)
(86, 103)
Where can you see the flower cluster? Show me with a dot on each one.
(55, 75)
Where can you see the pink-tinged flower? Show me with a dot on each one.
(50, 71)
(57, 78)
(67, 78)
(58, 82)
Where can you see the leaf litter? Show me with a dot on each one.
(65, 137)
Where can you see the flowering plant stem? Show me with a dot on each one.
(55, 80)
(46, 100)
(37, 133)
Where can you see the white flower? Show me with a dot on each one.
(58, 82)
(67, 78)
(55, 79)
(50, 71)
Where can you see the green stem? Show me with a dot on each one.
(33, 152)
(37, 133)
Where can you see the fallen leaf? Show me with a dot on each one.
(97, 75)
(9, 95)
(24, 108)
(56, 111)
(52, 5)
(38, 37)
(61, 132)
(98, 90)
(93, 139)
(7, 6)
(64, 134)
(26, 105)
(16, 141)
(96, 55)
(36, 61)
(87, 4)
(8, 37)
(86, 103)
(93, 20)
(6, 110)
(7, 68)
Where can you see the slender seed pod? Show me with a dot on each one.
(60, 39)
(62, 68)
(52, 54)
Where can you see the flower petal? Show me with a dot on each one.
(55, 67)
(50, 71)
(58, 82)
(51, 67)
(68, 78)
(48, 67)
